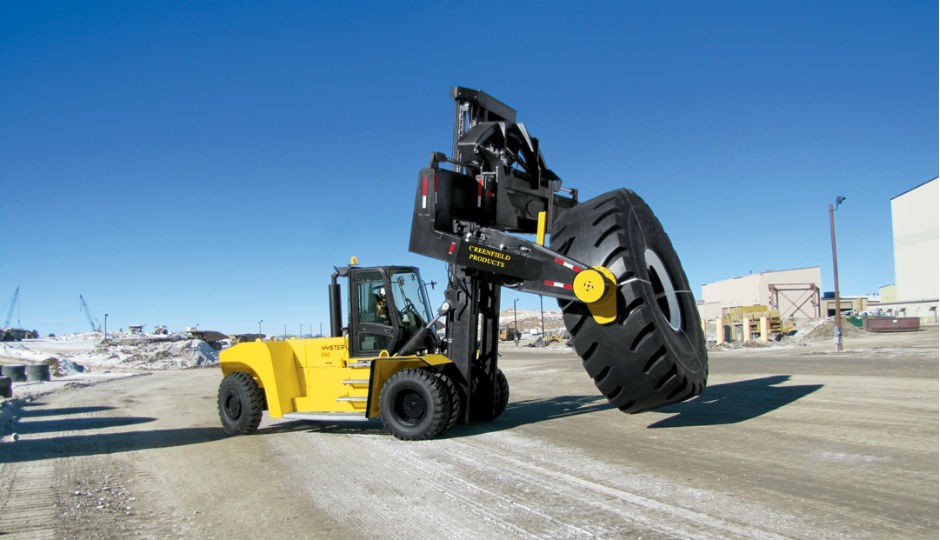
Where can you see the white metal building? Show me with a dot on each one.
(915, 215)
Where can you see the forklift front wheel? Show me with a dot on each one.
(240, 403)
(483, 411)
(415, 405)
(454, 394)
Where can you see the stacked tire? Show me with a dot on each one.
(654, 353)
(15, 373)
(38, 373)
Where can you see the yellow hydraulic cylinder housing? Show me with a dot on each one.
(316, 375)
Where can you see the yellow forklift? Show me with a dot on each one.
(624, 297)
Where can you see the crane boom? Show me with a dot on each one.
(16, 295)
(92, 321)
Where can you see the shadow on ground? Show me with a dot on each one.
(24, 426)
(734, 402)
(29, 410)
(31, 419)
(727, 403)
(516, 414)
(373, 426)
(533, 411)
(104, 443)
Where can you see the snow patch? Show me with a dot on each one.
(80, 352)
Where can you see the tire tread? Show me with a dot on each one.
(637, 362)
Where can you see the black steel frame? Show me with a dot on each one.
(499, 184)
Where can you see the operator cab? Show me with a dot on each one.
(388, 306)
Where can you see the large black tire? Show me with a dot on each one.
(37, 372)
(654, 353)
(16, 373)
(482, 411)
(502, 393)
(415, 405)
(240, 403)
(454, 396)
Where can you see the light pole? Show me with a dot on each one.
(106, 327)
(835, 271)
(259, 325)
(542, 319)
(515, 321)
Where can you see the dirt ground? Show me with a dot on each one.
(789, 442)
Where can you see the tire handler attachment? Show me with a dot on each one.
(624, 296)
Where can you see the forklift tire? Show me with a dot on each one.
(415, 405)
(240, 403)
(454, 398)
(500, 399)
(653, 354)
(502, 393)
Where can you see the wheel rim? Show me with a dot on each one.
(410, 407)
(664, 291)
(233, 406)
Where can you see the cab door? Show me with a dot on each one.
(374, 324)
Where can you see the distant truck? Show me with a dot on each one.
(509, 334)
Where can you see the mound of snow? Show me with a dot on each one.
(73, 354)
(528, 319)
(825, 329)
(20, 351)
(61, 367)
(153, 355)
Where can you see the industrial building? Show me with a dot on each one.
(914, 220)
(794, 293)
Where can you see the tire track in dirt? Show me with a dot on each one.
(28, 505)
(375, 500)
(509, 486)
(498, 500)
(551, 491)
(65, 476)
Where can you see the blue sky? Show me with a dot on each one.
(209, 163)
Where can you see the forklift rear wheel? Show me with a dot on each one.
(415, 405)
(653, 354)
(240, 403)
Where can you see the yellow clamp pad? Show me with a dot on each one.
(596, 287)
(540, 231)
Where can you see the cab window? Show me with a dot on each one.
(373, 299)
(410, 301)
